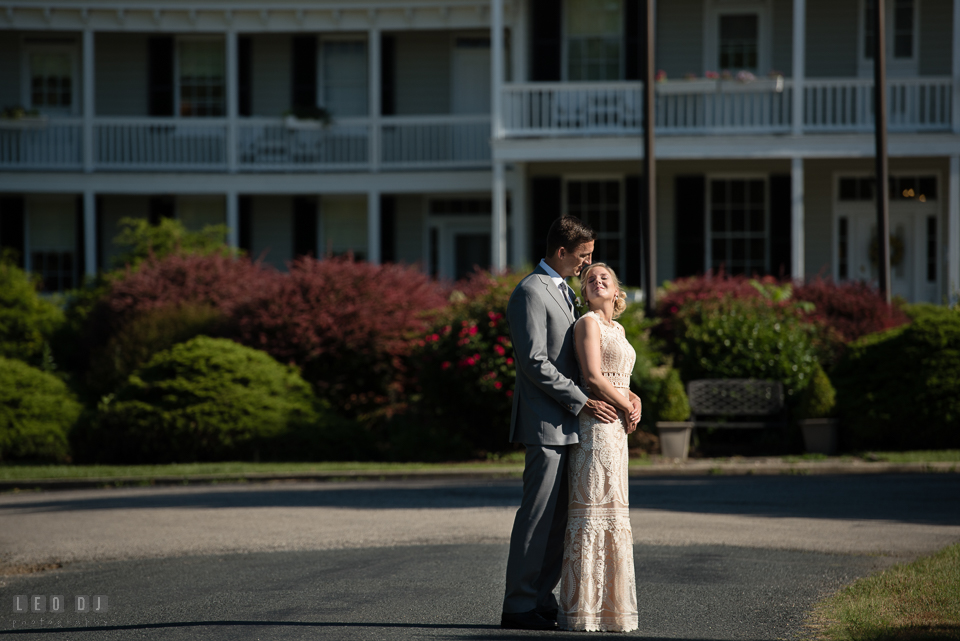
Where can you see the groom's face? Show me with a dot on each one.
(571, 262)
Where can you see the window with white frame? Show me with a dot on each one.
(738, 227)
(594, 40)
(51, 234)
(343, 226)
(343, 85)
(51, 76)
(739, 42)
(902, 34)
(201, 77)
(599, 204)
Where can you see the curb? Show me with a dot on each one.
(657, 470)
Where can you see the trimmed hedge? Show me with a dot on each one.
(36, 413)
(211, 399)
(900, 389)
(742, 338)
(27, 321)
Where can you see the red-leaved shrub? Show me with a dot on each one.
(348, 325)
(852, 309)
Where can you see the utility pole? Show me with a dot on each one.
(648, 234)
(880, 118)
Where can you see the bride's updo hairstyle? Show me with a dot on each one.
(620, 304)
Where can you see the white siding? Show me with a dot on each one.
(113, 208)
(422, 62)
(121, 74)
(271, 74)
(936, 24)
(781, 57)
(10, 69)
(832, 39)
(680, 37)
(271, 230)
(409, 229)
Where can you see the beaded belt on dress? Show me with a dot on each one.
(618, 380)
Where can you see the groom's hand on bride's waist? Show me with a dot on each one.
(600, 410)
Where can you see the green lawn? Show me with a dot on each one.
(919, 601)
(920, 456)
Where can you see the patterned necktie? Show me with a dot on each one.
(565, 290)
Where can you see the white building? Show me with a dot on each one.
(461, 128)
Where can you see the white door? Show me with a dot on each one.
(913, 250)
(471, 76)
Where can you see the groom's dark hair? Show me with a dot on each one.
(568, 232)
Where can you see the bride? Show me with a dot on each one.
(597, 586)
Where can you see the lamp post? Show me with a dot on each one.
(880, 123)
(648, 234)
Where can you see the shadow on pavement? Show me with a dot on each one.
(914, 498)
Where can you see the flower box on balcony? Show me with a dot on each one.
(696, 86)
(24, 122)
(760, 85)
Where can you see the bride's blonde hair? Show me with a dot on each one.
(620, 304)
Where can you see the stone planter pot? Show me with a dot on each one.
(674, 439)
(819, 435)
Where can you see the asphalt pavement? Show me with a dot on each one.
(717, 558)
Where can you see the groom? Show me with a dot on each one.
(547, 400)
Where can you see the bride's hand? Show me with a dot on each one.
(631, 426)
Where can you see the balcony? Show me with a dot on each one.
(704, 107)
(248, 144)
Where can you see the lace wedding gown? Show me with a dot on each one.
(597, 585)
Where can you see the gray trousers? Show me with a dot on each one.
(536, 543)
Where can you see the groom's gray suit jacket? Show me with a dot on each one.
(547, 399)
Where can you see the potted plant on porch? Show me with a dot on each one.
(672, 409)
(815, 414)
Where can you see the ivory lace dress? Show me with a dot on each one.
(597, 585)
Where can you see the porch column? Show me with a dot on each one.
(373, 227)
(953, 231)
(518, 204)
(374, 79)
(796, 218)
(498, 224)
(799, 60)
(496, 72)
(518, 42)
(956, 67)
(88, 104)
(233, 219)
(90, 232)
(233, 103)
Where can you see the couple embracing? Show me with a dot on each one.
(572, 410)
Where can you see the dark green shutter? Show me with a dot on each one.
(245, 75)
(160, 81)
(388, 73)
(634, 20)
(245, 224)
(304, 67)
(546, 195)
(13, 227)
(305, 226)
(388, 229)
(690, 202)
(546, 34)
(780, 226)
(161, 207)
(633, 260)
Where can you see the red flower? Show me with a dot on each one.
(445, 365)
(509, 361)
(498, 385)
(473, 330)
(499, 350)
(509, 393)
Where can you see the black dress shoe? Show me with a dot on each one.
(549, 615)
(525, 621)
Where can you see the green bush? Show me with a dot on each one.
(143, 240)
(139, 339)
(27, 321)
(211, 399)
(36, 413)
(900, 389)
(731, 338)
(663, 396)
(818, 399)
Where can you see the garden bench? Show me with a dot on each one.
(743, 403)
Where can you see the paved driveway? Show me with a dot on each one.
(717, 558)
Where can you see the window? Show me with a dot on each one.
(919, 188)
(343, 226)
(201, 77)
(594, 40)
(52, 242)
(901, 30)
(739, 42)
(738, 226)
(50, 76)
(598, 203)
(343, 84)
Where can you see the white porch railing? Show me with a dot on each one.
(435, 141)
(50, 144)
(913, 104)
(161, 143)
(572, 109)
(266, 144)
(723, 107)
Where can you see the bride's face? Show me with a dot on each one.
(600, 286)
